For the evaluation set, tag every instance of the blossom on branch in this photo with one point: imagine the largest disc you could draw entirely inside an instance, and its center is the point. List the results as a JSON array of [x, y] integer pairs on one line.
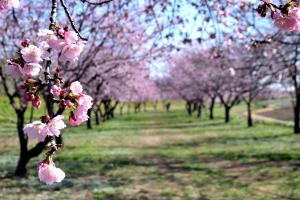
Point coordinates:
[[34, 131], [8, 4], [55, 90], [288, 22], [50, 174], [14, 70], [76, 88], [83, 104], [286, 16], [32, 54], [54, 126], [31, 69], [64, 41]]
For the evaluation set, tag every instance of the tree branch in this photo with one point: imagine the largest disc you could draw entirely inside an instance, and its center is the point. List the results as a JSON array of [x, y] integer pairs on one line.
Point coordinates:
[[71, 20], [101, 3]]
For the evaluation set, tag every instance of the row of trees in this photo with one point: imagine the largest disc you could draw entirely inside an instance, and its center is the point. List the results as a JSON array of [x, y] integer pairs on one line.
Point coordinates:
[[125, 37]]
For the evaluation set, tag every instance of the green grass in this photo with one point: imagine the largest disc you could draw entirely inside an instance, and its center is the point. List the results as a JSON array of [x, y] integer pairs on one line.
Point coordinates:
[[159, 155]]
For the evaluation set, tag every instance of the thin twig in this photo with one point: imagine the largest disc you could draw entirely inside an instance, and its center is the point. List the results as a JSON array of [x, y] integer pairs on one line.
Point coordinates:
[[71, 20], [48, 62], [96, 4]]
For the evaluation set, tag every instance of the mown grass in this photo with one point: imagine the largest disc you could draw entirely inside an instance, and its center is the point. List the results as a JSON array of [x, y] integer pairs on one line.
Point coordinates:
[[159, 155]]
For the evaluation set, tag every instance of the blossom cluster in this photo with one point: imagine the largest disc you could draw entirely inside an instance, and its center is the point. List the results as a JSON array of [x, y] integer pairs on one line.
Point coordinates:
[[66, 42], [50, 174], [46, 127], [74, 99], [7, 4], [288, 22], [27, 65], [27, 62], [285, 17], [71, 98]]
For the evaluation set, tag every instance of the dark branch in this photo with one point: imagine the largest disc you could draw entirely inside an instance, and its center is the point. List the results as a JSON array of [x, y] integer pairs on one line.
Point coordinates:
[[71, 20], [101, 3]]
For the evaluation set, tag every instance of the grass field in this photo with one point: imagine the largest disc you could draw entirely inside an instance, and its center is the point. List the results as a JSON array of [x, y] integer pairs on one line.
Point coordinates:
[[158, 155]]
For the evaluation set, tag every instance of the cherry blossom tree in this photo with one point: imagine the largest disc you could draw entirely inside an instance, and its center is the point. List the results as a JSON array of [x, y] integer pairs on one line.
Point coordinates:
[[33, 58]]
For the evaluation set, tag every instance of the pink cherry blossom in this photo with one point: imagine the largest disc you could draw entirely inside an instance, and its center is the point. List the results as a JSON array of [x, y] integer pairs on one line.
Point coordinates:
[[85, 102], [7, 4], [232, 71], [54, 126], [288, 22], [61, 31], [71, 37], [31, 69], [14, 70], [34, 130], [76, 88], [55, 90], [69, 103], [57, 44], [71, 52], [29, 96], [50, 174], [25, 42], [80, 114], [32, 54], [78, 117], [15, 3], [36, 102], [46, 34], [51, 39]]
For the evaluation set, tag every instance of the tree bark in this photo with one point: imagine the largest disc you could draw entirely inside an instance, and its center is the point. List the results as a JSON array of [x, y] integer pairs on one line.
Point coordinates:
[[23, 158], [128, 108], [189, 108], [227, 113], [97, 119], [199, 110], [249, 111], [89, 122], [211, 108], [296, 115]]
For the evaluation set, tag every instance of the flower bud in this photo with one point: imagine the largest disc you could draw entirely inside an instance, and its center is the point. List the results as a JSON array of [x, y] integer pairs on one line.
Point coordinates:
[[69, 103], [45, 119], [25, 43], [36, 102], [29, 96]]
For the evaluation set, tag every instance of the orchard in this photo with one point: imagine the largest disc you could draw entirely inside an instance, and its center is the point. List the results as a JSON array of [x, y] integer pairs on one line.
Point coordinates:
[[150, 99]]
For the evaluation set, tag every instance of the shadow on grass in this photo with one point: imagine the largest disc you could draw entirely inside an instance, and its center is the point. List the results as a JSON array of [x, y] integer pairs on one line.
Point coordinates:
[[226, 140]]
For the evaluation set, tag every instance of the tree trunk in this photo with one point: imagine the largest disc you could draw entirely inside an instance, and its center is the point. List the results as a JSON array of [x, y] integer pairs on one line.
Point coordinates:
[[97, 119], [23, 158], [135, 108], [227, 114], [249, 111], [199, 110], [168, 106], [189, 108], [121, 109], [89, 122], [211, 108], [128, 108], [296, 115]]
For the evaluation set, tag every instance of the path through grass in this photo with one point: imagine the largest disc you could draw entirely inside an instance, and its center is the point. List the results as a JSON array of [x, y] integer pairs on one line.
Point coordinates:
[[158, 155]]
